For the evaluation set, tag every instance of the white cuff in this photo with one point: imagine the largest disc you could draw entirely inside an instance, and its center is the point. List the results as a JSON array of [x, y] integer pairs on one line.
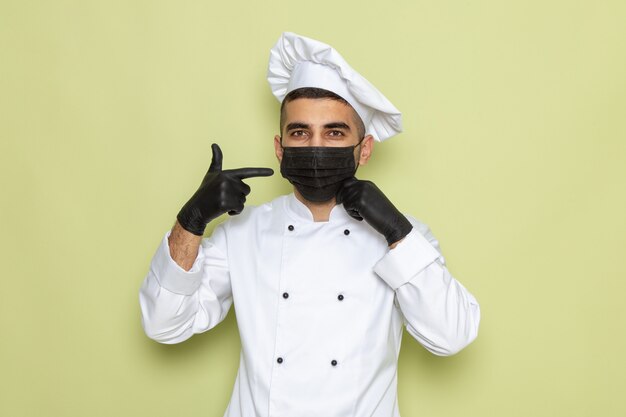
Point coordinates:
[[406, 260], [171, 276]]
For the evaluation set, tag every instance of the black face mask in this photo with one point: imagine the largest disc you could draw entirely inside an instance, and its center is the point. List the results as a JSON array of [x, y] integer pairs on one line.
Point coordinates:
[[318, 172]]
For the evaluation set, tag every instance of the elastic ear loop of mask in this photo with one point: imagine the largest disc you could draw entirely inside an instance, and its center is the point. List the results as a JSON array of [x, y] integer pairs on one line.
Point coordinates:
[[357, 163]]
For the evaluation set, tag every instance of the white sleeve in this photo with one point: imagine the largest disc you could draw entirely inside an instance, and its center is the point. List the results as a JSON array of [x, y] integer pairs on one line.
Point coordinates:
[[176, 304], [438, 311]]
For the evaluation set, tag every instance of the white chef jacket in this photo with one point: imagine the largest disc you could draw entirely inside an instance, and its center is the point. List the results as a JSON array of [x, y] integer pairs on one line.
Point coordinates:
[[320, 308]]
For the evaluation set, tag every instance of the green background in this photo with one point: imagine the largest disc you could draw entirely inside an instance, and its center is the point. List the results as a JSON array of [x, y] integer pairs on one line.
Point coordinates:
[[513, 152]]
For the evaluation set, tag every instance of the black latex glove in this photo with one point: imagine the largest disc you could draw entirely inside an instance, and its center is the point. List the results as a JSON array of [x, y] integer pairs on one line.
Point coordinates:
[[364, 200], [220, 192]]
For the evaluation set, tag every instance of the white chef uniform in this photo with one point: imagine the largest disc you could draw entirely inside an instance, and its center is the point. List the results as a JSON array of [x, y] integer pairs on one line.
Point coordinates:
[[320, 308]]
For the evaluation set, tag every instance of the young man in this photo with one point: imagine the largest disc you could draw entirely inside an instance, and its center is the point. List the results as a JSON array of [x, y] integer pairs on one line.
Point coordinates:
[[323, 279]]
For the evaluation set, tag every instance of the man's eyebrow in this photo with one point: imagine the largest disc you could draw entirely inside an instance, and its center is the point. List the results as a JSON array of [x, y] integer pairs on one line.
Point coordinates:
[[337, 125], [297, 125]]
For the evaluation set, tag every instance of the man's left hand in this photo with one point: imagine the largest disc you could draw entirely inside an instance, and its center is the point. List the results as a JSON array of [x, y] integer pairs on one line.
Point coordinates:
[[364, 200]]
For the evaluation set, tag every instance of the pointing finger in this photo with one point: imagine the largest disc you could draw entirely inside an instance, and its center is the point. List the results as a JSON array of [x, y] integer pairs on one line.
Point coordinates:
[[216, 160], [242, 173]]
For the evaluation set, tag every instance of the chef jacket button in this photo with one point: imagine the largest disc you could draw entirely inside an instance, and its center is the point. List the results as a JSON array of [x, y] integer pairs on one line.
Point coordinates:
[[285, 295], [346, 232], [279, 360], [333, 362], [290, 227], [340, 297]]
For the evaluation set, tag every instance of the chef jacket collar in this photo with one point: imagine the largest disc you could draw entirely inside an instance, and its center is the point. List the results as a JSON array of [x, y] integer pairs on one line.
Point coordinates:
[[298, 211]]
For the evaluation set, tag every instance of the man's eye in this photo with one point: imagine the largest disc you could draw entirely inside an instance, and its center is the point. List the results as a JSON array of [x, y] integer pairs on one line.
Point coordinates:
[[335, 133], [298, 133]]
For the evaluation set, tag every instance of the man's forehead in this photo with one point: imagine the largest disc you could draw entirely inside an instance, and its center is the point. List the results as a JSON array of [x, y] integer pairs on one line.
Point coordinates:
[[319, 109]]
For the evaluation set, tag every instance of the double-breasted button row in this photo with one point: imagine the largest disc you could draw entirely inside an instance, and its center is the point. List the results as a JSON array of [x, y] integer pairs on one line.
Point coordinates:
[[340, 297]]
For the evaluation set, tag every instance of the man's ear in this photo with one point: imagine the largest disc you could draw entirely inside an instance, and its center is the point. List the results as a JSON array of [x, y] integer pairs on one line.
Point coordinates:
[[367, 146], [278, 149]]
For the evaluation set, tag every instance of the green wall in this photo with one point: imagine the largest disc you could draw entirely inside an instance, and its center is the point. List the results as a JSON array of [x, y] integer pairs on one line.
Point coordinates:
[[513, 153]]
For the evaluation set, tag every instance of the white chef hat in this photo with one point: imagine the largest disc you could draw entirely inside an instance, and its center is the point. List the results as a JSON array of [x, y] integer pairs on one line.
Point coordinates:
[[296, 61]]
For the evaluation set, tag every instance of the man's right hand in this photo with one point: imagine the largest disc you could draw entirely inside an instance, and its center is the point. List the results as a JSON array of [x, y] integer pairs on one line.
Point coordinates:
[[221, 191]]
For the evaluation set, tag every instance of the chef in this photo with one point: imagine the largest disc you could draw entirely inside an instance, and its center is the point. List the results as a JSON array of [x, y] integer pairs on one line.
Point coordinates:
[[322, 280]]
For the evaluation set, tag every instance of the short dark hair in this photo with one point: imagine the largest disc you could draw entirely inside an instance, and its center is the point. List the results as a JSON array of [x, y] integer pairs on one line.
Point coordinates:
[[319, 94]]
